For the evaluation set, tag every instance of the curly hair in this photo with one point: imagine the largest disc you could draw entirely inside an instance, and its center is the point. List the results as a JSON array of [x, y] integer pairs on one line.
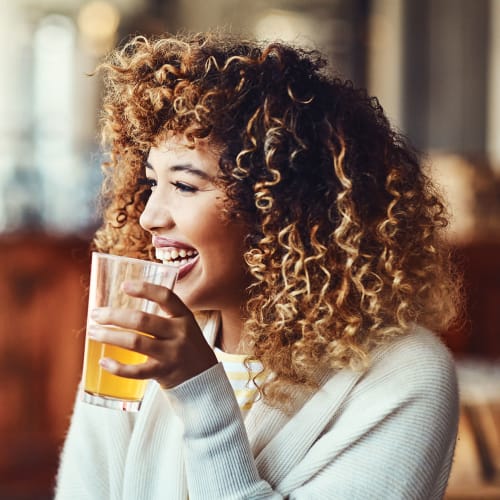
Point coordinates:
[[345, 247]]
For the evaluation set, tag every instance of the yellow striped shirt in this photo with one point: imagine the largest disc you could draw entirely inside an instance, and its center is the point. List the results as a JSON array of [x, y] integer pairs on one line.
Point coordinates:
[[243, 380]]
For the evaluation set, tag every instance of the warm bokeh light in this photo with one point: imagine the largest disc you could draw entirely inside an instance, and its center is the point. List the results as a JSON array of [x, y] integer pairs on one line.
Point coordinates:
[[98, 22], [285, 25]]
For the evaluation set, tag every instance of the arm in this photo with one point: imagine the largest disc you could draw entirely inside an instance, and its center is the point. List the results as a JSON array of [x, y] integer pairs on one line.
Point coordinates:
[[219, 461]]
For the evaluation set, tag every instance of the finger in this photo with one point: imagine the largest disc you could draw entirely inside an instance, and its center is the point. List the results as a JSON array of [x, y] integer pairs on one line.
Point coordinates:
[[131, 319], [162, 295], [133, 341], [139, 371], [150, 369]]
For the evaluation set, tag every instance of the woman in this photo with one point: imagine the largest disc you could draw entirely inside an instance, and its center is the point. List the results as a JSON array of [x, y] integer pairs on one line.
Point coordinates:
[[311, 265]]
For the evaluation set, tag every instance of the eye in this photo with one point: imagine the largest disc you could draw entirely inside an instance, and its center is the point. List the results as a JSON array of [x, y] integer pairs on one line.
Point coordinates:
[[148, 181], [184, 188]]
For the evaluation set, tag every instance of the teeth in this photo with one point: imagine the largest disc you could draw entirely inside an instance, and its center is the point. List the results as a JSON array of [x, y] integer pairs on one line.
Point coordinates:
[[171, 256], [174, 263]]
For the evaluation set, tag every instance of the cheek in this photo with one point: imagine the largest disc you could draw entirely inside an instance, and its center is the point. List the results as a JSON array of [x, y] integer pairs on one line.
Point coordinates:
[[204, 225], [223, 245]]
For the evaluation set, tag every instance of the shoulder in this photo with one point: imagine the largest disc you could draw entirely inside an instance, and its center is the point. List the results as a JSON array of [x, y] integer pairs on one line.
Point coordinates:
[[414, 367], [410, 388], [420, 351]]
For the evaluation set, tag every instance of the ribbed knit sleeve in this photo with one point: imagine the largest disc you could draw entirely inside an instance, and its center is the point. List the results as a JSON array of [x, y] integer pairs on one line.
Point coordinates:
[[94, 454], [219, 461]]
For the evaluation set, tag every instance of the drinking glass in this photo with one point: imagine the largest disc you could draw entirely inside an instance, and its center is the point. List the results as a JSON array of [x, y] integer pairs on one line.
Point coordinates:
[[108, 272]]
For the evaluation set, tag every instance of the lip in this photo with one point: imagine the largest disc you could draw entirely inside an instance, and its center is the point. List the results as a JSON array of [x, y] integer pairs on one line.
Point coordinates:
[[162, 242], [183, 270]]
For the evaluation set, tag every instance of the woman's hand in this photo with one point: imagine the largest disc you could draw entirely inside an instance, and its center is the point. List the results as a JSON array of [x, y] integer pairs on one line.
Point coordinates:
[[175, 346]]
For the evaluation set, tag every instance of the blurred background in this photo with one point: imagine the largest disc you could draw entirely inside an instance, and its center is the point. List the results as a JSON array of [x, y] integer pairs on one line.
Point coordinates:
[[433, 64]]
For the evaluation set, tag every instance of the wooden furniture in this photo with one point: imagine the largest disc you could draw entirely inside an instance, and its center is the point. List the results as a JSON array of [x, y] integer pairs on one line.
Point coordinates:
[[479, 333], [42, 316]]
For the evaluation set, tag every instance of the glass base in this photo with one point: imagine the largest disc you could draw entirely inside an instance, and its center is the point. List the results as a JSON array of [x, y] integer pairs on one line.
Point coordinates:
[[109, 402]]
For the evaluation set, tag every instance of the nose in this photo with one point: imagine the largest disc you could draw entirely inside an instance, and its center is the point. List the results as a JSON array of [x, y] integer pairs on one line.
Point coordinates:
[[156, 215]]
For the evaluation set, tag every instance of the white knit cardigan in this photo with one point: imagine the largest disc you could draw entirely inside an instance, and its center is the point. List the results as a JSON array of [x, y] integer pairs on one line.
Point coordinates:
[[386, 434]]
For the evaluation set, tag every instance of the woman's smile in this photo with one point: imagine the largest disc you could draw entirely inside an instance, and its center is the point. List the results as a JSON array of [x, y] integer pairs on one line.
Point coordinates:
[[175, 253]]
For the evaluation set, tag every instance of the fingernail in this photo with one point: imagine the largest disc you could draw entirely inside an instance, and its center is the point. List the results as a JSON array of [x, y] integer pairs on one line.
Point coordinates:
[[96, 314], [108, 364], [92, 332], [131, 287]]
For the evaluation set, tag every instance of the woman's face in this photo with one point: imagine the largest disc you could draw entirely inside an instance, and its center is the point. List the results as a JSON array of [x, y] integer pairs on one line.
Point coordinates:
[[184, 216]]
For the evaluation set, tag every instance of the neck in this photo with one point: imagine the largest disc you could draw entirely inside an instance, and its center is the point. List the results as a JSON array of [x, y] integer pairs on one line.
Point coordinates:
[[229, 335]]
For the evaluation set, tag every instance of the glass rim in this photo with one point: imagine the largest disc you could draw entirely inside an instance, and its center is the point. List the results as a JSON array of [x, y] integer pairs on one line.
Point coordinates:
[[133, 260], [111, 402]]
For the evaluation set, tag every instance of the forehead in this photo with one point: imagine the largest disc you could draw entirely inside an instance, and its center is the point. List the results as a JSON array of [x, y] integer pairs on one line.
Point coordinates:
[[175, 150]]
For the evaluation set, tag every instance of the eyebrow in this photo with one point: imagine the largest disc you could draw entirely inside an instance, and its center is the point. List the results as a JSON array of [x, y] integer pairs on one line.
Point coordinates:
[[186, 168]]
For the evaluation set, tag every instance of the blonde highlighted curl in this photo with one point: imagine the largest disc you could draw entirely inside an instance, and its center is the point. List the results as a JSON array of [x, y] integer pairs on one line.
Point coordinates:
[[345, 242]]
